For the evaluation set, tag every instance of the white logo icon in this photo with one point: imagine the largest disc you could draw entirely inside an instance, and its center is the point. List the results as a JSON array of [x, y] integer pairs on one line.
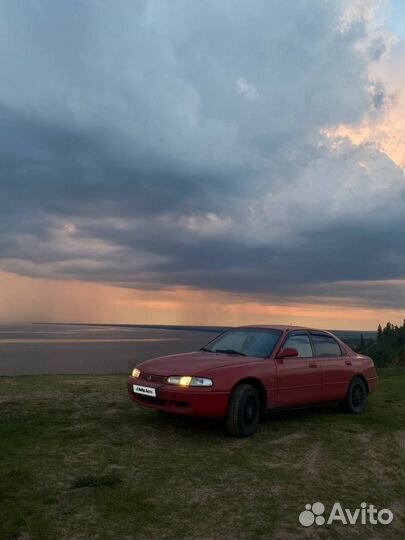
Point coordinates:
[[312, 513]]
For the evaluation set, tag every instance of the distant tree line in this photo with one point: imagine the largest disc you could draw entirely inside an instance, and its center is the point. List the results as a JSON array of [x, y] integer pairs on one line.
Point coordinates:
[[389, 347]]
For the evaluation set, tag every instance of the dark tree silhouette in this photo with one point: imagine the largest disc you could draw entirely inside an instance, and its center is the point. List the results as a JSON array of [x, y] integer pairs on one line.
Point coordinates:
[[389, 349], [379, 333]]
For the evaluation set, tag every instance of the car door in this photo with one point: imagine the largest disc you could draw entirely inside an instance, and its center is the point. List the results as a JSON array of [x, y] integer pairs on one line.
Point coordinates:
[[299, 379], [336, 366]]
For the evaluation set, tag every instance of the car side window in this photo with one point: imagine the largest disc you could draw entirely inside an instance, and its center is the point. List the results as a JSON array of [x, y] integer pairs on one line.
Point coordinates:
[[326, 345], [300, 342]]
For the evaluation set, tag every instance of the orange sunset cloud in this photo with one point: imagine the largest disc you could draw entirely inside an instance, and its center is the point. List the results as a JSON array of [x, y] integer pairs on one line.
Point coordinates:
[[43, 300]]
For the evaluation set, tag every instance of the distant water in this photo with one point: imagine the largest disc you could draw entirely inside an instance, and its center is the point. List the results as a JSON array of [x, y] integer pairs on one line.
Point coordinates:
[[47, 348], [37, 348]]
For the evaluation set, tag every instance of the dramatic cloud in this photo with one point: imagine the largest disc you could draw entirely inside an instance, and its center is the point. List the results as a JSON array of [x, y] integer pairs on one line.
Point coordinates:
[[202, 144]]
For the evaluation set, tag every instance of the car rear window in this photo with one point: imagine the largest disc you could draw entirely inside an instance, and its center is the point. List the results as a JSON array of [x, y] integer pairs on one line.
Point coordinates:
[[326, 345]]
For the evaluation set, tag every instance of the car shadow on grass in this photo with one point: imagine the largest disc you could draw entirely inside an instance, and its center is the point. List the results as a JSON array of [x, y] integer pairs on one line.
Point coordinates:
[[186, 426], [280, 420], [309, 413]]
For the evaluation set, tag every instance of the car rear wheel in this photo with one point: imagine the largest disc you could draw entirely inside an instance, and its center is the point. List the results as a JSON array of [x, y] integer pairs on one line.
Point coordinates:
[[356, 398], [244, 411]]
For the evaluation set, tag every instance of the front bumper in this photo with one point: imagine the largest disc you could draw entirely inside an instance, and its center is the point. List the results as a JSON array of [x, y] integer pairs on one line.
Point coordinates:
[[185, 401]]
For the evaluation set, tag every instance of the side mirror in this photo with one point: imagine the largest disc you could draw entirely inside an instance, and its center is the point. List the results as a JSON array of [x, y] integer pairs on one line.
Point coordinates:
[[287, 352]]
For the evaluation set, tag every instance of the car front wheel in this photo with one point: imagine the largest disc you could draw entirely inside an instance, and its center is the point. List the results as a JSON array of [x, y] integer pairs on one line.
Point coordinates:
[[244, 411], [356, 397]]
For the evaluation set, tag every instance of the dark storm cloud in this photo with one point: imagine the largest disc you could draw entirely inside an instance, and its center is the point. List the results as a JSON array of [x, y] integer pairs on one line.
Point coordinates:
[[151, 144]]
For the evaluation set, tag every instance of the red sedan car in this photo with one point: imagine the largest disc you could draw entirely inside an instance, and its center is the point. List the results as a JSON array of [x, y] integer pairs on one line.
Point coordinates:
[[246, 371]]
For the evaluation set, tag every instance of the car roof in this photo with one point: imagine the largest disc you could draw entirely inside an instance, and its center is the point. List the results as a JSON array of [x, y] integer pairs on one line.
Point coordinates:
[[284, 327]]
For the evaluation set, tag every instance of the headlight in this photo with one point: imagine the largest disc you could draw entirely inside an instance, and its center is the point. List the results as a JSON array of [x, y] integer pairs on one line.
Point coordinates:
[[136, 372], [186, 380]]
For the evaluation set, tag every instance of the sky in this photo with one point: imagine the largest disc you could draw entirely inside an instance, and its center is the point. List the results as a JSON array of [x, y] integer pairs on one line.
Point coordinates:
[[202, 162]]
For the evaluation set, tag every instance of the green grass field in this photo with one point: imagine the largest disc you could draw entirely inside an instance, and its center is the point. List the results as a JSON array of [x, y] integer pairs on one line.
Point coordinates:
[[78, 460]]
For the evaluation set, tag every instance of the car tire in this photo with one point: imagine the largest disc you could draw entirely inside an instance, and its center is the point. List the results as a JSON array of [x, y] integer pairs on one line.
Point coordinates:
[[243, 411], [356, 397]]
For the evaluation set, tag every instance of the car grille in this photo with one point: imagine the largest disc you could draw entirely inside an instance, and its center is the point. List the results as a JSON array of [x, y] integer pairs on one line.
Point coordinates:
[[152, 378]]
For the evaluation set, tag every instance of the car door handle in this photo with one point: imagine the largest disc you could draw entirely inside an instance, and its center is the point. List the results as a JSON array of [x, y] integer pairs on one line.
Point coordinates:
[[313, 364], [348, 362]]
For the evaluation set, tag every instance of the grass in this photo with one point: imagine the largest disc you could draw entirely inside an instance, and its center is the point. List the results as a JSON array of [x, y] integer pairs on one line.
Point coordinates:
[[78, 460]]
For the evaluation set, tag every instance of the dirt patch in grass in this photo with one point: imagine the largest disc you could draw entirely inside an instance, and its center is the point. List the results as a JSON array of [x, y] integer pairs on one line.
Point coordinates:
[[400, 439], [288, 438]]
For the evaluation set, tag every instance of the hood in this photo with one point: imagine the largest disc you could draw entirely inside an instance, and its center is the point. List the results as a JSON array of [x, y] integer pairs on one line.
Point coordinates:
[[194, 363]]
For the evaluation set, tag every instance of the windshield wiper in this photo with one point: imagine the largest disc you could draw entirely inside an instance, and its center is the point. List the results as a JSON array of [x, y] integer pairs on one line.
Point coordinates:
[[205, 349], [230, 351]]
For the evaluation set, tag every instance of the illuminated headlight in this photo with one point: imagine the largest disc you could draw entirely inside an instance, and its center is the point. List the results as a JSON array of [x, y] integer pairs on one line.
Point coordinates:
[[186, 380], [136, 372]]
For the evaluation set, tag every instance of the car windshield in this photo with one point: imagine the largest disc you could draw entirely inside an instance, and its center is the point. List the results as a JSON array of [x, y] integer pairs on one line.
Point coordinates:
[[245, 342]]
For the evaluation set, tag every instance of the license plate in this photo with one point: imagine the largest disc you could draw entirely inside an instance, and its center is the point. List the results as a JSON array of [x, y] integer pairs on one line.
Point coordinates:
[[144, 390]]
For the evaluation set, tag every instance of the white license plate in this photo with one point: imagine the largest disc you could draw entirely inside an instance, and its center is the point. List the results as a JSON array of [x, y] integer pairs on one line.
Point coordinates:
[[144, 390]]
